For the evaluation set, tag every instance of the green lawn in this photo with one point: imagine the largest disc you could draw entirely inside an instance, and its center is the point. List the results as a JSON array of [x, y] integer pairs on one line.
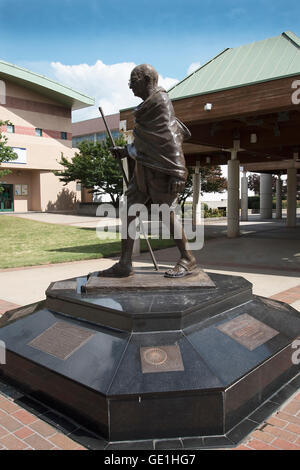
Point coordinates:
[[29, 243]]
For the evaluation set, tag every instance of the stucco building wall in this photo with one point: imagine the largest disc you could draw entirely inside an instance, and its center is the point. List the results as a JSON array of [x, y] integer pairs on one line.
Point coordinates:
[[28, 111]]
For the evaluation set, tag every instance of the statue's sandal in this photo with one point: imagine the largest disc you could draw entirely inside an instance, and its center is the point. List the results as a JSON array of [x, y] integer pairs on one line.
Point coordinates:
[[182, 268]]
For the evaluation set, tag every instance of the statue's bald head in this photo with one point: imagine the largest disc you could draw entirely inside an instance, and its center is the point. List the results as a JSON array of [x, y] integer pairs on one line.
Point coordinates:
[[147, 72]]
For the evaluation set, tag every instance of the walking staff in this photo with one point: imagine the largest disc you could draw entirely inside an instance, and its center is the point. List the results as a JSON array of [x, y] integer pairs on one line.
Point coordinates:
[[126, 183]]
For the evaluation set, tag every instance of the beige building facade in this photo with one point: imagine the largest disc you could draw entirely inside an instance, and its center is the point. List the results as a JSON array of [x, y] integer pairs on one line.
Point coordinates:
[[93, 130], [40, 130]]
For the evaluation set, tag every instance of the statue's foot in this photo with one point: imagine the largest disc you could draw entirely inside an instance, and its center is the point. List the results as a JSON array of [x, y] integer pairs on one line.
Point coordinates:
[[117, 270], [182, 268]]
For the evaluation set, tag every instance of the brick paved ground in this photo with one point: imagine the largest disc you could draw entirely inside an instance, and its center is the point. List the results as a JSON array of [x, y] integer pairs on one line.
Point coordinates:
[[288, 296], [21, 429], [5, 306], [279, 432]]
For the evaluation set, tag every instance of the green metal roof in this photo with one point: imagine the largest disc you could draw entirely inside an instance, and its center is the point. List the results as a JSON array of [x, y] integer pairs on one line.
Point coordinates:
[[45, 86], [260, 61]]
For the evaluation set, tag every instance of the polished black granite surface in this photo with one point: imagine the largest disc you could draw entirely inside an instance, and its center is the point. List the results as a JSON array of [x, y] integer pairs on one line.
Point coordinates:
[[92, 441], [94, 364], [225, 356], [96, 371], [156, 301], [149, 310]]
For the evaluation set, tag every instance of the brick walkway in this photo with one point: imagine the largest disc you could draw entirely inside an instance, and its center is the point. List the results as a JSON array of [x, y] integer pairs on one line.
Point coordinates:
[[279, 432], [5, 306], [288, 296], [21, 429]]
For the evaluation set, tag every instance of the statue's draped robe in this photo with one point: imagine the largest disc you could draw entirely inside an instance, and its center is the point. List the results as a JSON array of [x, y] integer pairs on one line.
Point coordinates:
[[158, 136]]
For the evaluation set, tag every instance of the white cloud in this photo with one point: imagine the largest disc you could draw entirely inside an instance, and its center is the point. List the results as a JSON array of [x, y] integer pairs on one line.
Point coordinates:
[[194, 66], [108, 84]]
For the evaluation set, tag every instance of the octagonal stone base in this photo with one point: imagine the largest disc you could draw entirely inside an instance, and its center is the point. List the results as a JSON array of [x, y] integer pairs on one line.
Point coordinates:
[[152, 363]]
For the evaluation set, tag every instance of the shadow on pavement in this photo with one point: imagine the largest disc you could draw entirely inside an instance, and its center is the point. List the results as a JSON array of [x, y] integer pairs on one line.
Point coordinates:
[[262, 247]]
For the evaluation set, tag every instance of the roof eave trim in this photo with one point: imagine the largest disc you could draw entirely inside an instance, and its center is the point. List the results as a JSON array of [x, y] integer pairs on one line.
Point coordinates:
[[292, 37], [235, 86], [37, 79]]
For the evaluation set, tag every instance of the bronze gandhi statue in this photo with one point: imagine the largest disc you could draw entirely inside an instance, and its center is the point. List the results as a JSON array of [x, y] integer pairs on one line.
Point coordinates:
[[160, 172]]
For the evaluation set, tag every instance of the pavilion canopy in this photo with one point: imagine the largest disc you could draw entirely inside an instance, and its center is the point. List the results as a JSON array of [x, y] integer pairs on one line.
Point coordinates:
[[257, 62], [250, 91]]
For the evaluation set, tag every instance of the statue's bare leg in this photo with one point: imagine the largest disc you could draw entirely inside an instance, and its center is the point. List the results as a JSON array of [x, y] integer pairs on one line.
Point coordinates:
[[187, 263], [124, 266]]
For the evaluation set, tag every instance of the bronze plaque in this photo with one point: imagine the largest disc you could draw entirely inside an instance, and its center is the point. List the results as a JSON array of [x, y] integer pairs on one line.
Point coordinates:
[[161, 359], [274, 304], [64, 285], [248, 331], [21, 312], [61, 340]]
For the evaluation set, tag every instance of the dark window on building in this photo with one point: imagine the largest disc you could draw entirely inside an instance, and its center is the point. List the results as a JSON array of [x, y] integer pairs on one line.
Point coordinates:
[[63, 135], [38, 132], [103, 135], [10, 128], [77, 139]]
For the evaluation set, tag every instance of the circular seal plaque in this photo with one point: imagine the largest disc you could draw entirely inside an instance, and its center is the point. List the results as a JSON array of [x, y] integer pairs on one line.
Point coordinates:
[[155, 356]]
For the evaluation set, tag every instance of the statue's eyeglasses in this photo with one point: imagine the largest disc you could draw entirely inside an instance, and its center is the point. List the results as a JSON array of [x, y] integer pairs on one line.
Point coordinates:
[[133, 80]]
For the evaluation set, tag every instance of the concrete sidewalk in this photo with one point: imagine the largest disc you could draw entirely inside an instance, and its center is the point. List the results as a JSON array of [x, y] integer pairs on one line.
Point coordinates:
[[269, 258], [72, 220], [268, 255]]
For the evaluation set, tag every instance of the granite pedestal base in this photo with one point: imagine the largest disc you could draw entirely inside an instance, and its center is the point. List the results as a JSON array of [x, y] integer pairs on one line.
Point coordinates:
[[152, 363]]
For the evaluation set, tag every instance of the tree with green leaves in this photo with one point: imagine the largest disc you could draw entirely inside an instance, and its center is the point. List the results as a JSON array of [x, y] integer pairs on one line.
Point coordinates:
[[6, 152], [212, 181], [95, 168]]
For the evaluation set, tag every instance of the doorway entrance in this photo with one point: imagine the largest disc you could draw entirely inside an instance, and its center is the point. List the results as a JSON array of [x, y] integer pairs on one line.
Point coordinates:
[[7, 198]]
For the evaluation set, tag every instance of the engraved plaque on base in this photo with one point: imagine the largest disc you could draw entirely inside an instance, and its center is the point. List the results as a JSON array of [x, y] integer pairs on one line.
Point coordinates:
[[248, 331], [161, 359], [274, 304], [65, 285], [15, 314], [61, 340]]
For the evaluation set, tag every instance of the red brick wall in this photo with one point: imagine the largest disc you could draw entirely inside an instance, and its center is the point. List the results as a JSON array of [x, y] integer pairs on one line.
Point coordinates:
[[24, 130], [31, 131], [38, 107]]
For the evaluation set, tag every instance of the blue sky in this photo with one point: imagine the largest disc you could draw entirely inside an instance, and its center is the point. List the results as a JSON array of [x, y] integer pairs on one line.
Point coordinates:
[[47, 36]]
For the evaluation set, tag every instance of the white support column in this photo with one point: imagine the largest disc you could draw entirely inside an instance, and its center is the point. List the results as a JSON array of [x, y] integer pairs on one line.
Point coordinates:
[[265, 196], [197, 196], [279, 198], [291, 197], [244, 196], [233, 220]]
